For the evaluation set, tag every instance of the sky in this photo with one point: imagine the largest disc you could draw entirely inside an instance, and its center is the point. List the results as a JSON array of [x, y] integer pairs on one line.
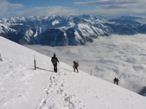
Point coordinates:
[[10, 8]]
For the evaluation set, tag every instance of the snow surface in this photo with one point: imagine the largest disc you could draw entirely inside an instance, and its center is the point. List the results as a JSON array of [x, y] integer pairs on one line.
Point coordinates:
[[22, 87], [55, 22], [108, 57]]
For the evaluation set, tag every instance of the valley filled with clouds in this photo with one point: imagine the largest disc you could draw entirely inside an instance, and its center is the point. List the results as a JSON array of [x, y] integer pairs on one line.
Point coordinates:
[[108, 57]]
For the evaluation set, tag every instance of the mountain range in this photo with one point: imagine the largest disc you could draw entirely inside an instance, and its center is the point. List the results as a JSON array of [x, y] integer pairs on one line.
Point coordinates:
[[67, 30]]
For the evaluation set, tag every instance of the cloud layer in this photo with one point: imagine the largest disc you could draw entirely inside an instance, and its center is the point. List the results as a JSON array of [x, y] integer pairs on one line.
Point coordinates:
[[101, 7], [107, 3], [136, 7], [6, 7], [49, 10]]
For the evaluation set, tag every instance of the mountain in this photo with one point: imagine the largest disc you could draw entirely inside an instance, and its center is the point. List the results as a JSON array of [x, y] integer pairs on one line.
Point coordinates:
[[62, 30], [22, 87]]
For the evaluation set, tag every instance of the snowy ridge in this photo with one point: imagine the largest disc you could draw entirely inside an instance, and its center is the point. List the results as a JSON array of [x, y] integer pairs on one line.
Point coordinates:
[[63, 30], [21, 87]]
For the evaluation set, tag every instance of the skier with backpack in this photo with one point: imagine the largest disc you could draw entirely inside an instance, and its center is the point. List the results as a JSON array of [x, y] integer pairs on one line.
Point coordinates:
[[1, 58], [116, 81], [54, 62], [75, 66]]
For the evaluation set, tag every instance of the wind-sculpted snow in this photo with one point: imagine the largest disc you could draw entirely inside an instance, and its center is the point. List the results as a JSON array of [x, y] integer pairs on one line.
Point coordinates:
[[22, 87], [63, 31]]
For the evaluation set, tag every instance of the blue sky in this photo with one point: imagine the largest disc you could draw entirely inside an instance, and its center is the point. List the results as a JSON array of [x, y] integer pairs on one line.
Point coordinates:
[[9, 8]]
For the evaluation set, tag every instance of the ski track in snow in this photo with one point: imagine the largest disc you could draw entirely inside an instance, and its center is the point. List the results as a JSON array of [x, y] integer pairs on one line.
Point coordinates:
[[56, 87]]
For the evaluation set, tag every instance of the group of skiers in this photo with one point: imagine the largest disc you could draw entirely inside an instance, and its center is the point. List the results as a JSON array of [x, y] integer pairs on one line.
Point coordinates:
[[55, 60]]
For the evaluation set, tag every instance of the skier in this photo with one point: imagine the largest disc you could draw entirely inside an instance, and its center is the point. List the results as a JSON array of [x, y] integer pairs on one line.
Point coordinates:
[[75, 66], [116, 81], [1, 58], [54, 62]]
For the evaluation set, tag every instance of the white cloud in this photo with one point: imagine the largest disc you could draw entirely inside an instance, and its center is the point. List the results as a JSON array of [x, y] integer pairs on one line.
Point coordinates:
[[106, 3], [45, 11], [6, 7], [104, 7], [116, 6]]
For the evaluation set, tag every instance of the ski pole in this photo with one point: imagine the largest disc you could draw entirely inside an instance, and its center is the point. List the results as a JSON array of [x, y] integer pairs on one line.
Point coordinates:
[[34, 63]]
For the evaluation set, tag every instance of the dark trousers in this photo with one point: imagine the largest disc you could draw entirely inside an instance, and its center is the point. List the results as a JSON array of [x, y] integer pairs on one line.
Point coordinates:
[[55, 67], [75, 68], [116, 82]]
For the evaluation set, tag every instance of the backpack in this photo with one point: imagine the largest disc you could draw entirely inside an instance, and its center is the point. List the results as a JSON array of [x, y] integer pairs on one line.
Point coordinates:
[[54, 60], [76, 64]]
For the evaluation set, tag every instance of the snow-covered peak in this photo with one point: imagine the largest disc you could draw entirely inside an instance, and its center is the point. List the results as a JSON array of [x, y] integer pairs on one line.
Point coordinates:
[[55, 22], [44, 28], [22, 87]]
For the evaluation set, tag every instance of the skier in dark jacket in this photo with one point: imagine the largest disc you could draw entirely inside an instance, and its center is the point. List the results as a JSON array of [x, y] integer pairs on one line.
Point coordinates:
[[75, 66], [116, 81], [54, 62], [1, 58]]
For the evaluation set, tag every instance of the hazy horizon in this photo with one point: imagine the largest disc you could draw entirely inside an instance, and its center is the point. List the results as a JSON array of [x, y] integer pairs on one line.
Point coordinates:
[[11, 8]]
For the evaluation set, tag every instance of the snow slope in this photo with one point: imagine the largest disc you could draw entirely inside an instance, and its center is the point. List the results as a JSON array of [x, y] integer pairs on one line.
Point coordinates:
[[109, 57], [22, 87]]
